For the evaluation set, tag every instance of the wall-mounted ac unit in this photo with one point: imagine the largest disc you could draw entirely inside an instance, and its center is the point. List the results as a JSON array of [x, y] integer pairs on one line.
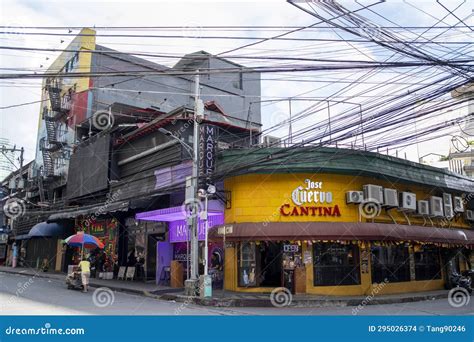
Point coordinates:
[[390, 198], [354, 196], [408, 201], [269, 141], [436, 206], [469, 215], [423, 208], [373, 193], [458, 204], [448, 205]]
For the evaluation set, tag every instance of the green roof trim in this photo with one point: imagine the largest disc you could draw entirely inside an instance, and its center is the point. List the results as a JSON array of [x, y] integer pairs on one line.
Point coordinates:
[[338, 161]]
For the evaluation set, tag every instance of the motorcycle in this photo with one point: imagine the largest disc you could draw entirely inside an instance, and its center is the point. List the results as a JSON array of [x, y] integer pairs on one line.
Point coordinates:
[[461, 280]]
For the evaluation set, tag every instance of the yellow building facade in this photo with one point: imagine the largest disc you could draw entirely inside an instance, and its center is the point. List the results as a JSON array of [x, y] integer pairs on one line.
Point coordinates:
[[298, 230]]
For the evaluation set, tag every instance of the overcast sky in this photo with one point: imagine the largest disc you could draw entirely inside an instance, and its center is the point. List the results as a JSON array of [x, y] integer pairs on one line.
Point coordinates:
[[20, 124]]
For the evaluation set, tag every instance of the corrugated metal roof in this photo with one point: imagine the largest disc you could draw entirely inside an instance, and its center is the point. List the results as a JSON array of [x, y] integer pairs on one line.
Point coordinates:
[[338, 161]]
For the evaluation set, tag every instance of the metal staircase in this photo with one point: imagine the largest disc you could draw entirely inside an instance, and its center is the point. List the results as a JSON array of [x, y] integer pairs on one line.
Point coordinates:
[[48, 165], [55, 98]]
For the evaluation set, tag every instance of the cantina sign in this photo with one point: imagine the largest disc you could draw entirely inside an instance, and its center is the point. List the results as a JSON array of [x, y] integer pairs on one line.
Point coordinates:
[[310, 200]]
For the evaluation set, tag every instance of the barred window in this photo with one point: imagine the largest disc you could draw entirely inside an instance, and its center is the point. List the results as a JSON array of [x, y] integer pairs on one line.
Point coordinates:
[[427, 265], [391, 263], [336, 264]]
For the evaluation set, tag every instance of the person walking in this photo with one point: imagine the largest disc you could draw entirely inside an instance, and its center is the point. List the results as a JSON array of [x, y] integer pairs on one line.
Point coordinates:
[[85, 267]]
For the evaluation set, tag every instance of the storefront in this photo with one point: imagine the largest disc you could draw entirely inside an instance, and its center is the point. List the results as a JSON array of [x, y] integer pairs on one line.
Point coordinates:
[[301, 230], [179, 241], [107, 231]]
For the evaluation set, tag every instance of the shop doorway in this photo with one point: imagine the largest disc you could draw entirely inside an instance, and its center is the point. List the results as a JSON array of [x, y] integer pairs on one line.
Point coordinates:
[[260, 264], [152, 241], [271, 264]]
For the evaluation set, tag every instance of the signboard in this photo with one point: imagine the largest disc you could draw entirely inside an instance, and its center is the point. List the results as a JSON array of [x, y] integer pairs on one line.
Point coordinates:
[[178, 230], [310, 199], [207, 151], [225, 230], [291, 248]]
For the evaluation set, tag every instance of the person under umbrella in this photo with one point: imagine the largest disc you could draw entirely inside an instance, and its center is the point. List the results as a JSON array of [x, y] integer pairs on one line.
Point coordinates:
[[84, 241]]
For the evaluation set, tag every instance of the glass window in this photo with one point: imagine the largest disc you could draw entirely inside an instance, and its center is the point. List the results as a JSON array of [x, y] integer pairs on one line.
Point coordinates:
[[247, 264], [427, 264], [336, 264], [391, 263], [260, 264]]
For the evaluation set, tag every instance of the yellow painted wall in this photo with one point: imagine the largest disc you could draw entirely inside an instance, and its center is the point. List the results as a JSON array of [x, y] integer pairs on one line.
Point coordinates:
[[82, 43], [258, 198], [364, 288]]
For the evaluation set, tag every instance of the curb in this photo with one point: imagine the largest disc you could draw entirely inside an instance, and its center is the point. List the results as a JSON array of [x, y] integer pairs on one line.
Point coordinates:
[[302, 303], [253, 302]]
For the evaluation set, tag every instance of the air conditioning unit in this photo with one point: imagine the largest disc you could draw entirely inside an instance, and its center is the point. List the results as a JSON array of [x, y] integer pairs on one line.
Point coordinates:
[[423, 208], [373, 193], [469, 215], [390, 198], [436, 206], [269, 141], [448, 205], [458, 204], [354, 196], [408, 201]]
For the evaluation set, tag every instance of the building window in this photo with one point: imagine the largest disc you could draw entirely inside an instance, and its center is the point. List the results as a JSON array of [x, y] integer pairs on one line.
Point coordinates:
[[391, 263], [336, 264], [427, 265], [260, 264]]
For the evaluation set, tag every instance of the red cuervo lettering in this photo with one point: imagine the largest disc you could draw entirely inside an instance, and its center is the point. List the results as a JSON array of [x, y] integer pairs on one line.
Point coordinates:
[[287, 210]]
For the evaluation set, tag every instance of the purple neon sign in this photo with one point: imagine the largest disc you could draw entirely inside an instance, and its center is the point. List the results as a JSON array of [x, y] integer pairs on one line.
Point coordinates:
[[179, 232]]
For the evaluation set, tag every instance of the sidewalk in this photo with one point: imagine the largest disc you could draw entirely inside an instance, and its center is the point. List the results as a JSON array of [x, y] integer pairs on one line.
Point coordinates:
[[237, 299], [135, 287]]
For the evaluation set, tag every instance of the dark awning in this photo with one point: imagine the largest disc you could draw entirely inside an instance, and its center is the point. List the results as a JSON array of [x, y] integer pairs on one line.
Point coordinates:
[[345, 231], [22, 237], [96, 210], [44, 229]]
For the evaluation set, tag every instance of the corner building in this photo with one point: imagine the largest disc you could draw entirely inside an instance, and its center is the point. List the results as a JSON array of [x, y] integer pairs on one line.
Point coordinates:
[[330, 221]]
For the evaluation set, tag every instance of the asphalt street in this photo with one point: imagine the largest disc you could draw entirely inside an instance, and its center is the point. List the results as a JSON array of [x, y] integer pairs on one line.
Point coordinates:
[[23, 295]]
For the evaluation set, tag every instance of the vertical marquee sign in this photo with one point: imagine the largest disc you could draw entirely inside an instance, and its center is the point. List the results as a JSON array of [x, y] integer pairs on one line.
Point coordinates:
[[207, 152]]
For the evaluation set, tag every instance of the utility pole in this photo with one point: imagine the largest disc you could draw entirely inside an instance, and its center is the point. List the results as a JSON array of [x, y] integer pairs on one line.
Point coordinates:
[[191, 283]]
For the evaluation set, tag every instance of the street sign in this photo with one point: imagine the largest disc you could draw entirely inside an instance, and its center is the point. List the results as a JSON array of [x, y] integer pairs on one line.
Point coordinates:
[[225, 230]]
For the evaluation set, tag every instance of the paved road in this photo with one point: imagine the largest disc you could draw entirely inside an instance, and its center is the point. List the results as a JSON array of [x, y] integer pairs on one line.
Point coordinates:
[[22, 295]]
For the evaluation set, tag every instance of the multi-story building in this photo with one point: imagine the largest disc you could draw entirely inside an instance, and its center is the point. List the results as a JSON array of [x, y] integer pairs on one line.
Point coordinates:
[[98, 146], [70, 102]]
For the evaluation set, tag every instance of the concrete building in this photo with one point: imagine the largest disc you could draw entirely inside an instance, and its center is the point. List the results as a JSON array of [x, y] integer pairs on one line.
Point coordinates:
[[72, 105]]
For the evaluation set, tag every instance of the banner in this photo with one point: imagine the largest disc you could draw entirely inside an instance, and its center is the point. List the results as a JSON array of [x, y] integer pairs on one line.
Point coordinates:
[[207, 152]]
